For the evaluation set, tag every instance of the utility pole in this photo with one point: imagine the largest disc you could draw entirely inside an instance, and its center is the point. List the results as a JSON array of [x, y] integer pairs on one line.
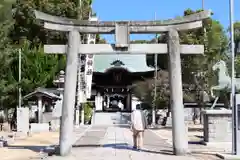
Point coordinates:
[[77, 112], [155, 84], [19, 78], [202, 4], [234, 110]]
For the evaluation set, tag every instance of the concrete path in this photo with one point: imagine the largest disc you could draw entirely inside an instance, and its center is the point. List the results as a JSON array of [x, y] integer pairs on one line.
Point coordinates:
[[197, 149], [116, 143], [25, 148]]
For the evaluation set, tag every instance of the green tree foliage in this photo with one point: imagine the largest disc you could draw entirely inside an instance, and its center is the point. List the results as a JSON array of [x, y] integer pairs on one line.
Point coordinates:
[[19, 29], [27, 27], [214, 39], [5, 10], [197, 71], [144, 90], [100, 40], [237, 49], [38, 70], [237, 32]]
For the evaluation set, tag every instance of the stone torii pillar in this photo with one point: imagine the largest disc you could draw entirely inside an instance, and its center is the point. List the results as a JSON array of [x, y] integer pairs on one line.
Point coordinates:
[[122, 29], [66, 128], [176, 94]]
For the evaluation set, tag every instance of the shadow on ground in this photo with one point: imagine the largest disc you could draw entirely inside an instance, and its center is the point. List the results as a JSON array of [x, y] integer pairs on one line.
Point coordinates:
[[126, 146], [86, 145], [196, 142], [190, 129], [38, 149]]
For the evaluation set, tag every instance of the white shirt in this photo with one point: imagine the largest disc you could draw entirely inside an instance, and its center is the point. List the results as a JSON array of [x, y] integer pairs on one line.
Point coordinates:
[[137, 120], [120, 105]]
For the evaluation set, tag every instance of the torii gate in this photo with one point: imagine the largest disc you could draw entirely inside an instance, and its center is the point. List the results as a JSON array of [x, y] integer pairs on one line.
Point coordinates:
[[122, 30]]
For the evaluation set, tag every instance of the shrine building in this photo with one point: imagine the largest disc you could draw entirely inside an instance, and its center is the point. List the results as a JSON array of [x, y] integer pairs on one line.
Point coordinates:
[[113, 79]]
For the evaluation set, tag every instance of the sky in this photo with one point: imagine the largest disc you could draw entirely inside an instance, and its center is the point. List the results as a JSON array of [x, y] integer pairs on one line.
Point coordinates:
[[165, 9]]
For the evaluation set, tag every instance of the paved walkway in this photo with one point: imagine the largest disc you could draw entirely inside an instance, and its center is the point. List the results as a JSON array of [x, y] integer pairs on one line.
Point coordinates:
[[105, 143], [195, 137], [30, 147]]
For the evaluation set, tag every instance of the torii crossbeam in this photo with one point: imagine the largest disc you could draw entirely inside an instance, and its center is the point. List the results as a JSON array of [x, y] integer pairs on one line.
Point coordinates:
[[122, 30]]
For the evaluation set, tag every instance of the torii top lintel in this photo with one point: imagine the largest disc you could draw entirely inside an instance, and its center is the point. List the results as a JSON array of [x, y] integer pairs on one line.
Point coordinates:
[[108, 27]]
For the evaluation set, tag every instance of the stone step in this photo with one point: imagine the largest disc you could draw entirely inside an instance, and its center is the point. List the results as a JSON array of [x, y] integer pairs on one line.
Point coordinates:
[[105, 118]]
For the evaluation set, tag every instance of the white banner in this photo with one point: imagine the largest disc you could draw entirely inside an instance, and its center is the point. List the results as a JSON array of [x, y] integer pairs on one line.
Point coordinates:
[[81, 82], [89, 67], [89, 74]]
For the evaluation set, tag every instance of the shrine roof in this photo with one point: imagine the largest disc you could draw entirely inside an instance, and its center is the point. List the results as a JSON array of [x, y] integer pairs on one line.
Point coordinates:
[[43, 92], [133, 63]]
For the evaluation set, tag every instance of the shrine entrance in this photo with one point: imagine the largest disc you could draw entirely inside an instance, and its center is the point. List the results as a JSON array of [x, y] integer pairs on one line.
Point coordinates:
[[115, 85], [122, 31]]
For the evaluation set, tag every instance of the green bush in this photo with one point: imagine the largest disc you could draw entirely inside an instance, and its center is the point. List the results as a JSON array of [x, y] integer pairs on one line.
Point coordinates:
[[88, 108]]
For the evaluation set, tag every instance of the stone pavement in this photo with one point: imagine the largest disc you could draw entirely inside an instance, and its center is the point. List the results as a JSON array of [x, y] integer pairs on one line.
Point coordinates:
[[31, 147], [115, 142], [195, 138]]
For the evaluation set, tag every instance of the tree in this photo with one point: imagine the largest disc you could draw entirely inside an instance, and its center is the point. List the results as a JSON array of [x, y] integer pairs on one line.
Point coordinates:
[[23, 31], [144, 90], [38, 70], [213, 36], [237, 47], [26, 26], [100, 40], [88, 110], [197, 71], [5, 10]]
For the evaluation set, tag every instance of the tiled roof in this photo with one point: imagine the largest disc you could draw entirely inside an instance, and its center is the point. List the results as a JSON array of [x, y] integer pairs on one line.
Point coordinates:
[[133, 63], [43, 92]]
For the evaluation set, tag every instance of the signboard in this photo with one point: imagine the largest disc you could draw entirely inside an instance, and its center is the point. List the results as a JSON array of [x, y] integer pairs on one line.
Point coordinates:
[[86, 71], [89, 74], [81, 81], [89, 65]]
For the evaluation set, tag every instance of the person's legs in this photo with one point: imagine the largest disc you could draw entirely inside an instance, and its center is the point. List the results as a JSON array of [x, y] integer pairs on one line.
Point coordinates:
[[140, 140], [134, 139]]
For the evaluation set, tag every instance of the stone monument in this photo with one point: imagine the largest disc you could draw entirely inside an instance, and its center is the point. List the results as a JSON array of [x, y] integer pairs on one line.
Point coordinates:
[[218, 123], [23, 121], [224, 80]]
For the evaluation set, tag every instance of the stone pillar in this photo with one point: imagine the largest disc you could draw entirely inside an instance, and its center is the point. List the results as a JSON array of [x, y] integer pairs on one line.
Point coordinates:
[[66, 129], [23, 121], [82, 114], [180, 142], [98, 102], [101, 101], [129, 102], [77, 114], [40, 109], [108, 101]]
